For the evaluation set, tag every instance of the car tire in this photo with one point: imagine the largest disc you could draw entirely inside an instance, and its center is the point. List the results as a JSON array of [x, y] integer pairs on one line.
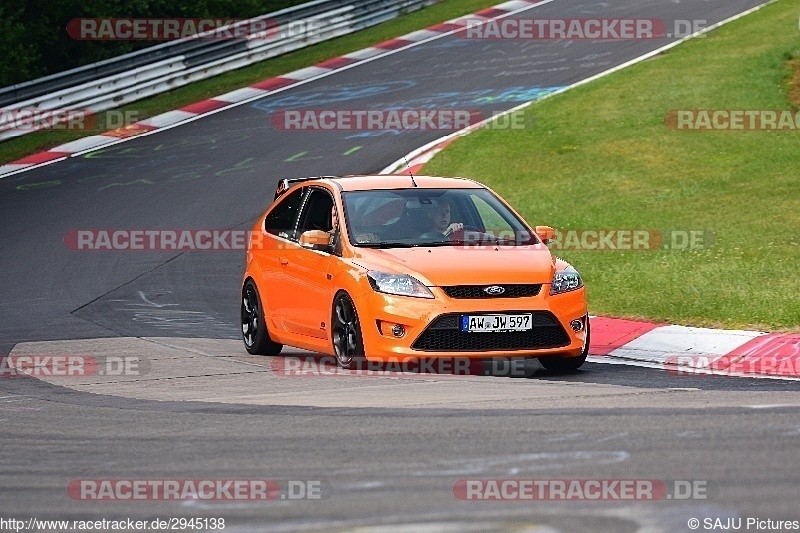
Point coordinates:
[[348, 344], [567, 364], [254, 326]]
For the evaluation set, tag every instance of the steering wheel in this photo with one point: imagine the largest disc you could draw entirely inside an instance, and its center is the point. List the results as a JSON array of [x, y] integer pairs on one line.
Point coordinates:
[[434, 236]]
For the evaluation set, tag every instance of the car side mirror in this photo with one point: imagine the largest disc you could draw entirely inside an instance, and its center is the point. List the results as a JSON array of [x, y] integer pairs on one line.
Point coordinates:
[[546, 234], [316, 240]]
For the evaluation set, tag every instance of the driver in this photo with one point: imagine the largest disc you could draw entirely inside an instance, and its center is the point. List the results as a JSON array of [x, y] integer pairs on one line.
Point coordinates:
[[438, 220], [334, 225]]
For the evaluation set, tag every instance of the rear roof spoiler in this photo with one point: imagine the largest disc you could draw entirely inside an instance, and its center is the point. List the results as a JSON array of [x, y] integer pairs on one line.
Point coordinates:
[[286, 184]]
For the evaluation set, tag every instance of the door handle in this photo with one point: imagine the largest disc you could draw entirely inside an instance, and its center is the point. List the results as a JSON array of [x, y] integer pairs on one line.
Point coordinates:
[[284, 261]]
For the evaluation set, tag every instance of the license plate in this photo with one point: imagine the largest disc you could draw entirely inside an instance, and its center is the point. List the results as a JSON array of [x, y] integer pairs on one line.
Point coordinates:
[[495, 323]]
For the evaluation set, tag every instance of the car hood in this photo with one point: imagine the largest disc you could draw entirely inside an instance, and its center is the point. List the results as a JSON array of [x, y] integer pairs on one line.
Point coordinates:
[[452, 265]]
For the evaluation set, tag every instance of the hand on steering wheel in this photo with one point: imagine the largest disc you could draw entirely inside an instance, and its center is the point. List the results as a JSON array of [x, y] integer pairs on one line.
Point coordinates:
[[452, 228], [459, 233]]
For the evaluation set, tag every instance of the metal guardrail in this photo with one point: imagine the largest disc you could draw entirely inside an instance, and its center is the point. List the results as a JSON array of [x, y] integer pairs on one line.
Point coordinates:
[[114, 82]]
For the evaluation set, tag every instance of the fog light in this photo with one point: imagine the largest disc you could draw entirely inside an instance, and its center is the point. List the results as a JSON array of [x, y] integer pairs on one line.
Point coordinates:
[[576, 325], [398, 330]]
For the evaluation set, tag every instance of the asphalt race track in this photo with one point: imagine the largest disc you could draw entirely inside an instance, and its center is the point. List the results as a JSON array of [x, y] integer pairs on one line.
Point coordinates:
[[386, 448]]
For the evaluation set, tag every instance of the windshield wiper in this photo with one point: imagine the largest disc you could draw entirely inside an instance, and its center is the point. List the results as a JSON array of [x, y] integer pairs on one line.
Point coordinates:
[[434, 243], [486, 242], [384, 244]]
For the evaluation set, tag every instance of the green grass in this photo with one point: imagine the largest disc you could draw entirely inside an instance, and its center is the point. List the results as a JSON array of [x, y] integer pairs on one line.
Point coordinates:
[[600, 156], [447, 9]]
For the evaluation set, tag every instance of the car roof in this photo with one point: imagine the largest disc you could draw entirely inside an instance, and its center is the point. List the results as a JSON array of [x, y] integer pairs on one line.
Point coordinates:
[[400, 181]]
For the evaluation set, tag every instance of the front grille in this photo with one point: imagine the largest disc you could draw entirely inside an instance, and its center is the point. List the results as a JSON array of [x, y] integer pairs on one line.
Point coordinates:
[[475, 292], [444, 335]]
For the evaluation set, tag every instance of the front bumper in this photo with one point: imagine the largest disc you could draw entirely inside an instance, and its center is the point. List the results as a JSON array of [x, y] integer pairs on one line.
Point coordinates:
[[431, 331]]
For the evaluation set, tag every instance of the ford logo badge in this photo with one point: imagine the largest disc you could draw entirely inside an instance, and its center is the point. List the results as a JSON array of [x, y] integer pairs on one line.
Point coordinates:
[[494, 290]]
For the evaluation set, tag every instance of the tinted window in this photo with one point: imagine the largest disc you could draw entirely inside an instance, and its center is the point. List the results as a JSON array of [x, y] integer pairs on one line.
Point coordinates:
[[282, 220], [317, 212]]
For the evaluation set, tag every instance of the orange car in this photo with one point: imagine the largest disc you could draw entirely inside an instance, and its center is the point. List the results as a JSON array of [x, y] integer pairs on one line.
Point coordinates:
[[394, 268]]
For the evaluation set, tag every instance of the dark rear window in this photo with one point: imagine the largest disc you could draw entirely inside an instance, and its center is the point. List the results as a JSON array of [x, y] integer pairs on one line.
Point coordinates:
[[282, 220]]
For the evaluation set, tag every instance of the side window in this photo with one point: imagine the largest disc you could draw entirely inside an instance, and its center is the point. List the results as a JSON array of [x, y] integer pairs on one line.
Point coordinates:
[[317, 212], [282, 220], [491, 220]]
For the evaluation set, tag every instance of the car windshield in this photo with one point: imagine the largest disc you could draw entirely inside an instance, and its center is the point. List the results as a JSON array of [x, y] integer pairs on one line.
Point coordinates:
[[431, 217]]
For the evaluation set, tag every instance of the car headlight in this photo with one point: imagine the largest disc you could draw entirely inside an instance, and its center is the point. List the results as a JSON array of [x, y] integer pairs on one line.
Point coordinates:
[[565, 281], [399, 284]]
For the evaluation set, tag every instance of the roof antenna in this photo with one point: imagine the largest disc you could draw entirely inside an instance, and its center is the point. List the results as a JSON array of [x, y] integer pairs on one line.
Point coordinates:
[[414, 183]]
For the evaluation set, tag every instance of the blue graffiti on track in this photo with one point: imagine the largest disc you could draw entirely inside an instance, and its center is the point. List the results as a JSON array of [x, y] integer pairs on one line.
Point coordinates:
[[328, 95]]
